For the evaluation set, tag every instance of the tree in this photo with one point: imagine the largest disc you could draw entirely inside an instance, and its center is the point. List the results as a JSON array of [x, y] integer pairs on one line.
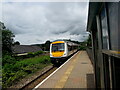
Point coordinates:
[[7, 40], [47, 45], [17, 43], [89, 42]]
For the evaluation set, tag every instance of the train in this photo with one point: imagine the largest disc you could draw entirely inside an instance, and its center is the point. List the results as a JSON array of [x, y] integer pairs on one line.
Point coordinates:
[[62, 49]]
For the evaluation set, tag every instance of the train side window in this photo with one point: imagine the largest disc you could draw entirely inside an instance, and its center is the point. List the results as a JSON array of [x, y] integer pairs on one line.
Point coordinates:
[[69, 47]]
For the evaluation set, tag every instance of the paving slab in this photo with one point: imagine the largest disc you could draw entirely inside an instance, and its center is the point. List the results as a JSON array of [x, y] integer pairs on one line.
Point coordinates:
[[77, 73]]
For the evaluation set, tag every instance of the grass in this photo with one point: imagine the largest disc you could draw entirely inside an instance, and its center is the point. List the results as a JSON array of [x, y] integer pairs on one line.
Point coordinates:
[[0, 78], [15, 72]]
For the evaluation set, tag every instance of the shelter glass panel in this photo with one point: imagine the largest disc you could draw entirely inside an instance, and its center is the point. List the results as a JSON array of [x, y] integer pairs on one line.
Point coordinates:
[[113, 25], [104, 26]]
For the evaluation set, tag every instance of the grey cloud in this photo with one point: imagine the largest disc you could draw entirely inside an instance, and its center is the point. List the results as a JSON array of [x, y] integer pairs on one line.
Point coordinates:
[[38, 22]]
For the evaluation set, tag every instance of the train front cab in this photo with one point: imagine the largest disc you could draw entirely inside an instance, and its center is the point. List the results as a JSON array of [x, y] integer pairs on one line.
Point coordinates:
[[58, 52]]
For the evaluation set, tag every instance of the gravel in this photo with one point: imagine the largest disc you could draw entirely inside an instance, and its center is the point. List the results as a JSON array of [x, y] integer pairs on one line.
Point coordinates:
[[29, 78]]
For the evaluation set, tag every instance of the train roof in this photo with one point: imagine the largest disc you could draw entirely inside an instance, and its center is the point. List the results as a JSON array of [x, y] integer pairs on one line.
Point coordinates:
[[72, 43], [68, 42]]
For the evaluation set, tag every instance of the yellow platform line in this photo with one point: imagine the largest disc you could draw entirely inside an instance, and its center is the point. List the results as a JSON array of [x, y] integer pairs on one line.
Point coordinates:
[[64, 78]]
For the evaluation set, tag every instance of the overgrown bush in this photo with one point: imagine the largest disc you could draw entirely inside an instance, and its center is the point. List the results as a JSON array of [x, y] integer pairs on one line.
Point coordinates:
[[32, 54], [82, 47], [14, 72], [38, 53], [7, 59]]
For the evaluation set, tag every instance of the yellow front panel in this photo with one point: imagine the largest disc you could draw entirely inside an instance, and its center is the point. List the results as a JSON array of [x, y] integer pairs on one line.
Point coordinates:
[[57, 42], [57, 54]]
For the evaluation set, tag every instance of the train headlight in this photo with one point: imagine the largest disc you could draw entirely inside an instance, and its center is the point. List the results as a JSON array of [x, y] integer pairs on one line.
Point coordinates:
[[64, 54]]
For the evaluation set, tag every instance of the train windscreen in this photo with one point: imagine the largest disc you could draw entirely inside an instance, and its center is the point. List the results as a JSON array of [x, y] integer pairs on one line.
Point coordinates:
[[58, 47]]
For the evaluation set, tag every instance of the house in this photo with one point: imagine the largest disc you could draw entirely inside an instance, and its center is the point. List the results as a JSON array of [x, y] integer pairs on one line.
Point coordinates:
[[24, 49]]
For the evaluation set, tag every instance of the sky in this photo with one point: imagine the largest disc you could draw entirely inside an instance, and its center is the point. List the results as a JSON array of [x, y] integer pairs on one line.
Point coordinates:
[[37, 22]]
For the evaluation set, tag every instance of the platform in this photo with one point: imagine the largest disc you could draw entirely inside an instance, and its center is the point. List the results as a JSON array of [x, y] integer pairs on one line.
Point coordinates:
[[76, 73]]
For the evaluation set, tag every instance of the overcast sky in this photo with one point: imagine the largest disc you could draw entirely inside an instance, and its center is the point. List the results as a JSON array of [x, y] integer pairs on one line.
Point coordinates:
[[36, 22]]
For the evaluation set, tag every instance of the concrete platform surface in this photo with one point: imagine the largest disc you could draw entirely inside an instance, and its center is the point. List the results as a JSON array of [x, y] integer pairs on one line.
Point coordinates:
[[77, 73]]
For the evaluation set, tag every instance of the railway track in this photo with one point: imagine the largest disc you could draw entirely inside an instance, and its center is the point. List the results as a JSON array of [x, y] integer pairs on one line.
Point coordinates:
[[39, 79]]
